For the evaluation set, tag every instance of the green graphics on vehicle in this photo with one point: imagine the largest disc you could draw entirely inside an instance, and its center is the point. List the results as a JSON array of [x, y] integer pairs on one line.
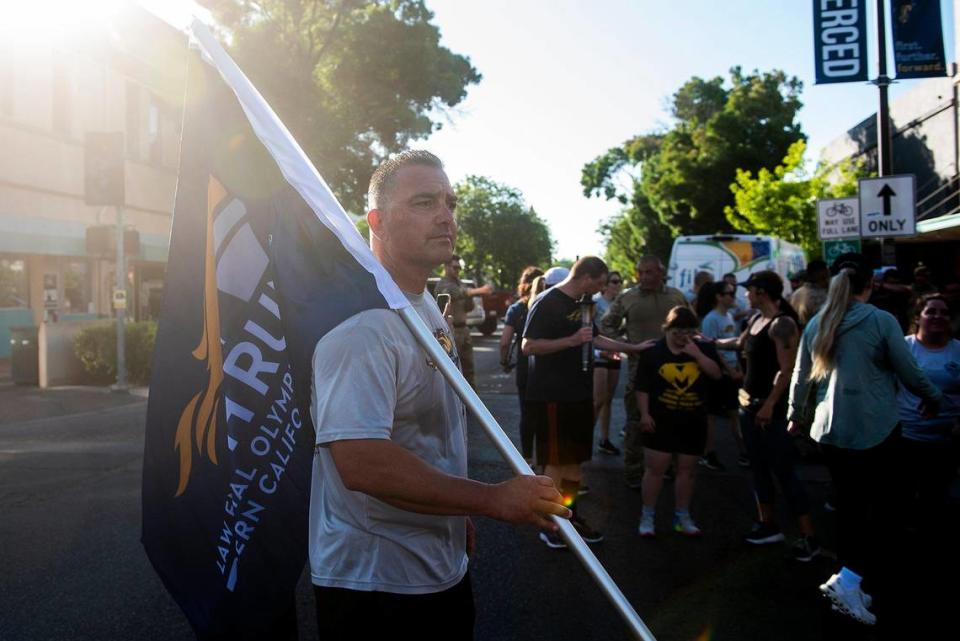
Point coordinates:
[[834, 248], [740, 255]]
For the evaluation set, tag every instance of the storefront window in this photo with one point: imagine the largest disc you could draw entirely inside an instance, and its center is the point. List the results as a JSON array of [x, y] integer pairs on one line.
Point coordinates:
[[76, 287], [14, 286]]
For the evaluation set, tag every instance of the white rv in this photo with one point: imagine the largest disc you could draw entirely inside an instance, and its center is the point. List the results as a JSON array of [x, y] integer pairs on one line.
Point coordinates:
[[738, 254]]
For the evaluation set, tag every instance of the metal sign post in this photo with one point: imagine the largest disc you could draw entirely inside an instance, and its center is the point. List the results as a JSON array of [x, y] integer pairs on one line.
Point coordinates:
[[121, 310]]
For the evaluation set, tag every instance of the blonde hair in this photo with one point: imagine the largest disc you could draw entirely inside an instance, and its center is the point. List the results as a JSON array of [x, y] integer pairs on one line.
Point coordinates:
[[537, 287], [824, 345]]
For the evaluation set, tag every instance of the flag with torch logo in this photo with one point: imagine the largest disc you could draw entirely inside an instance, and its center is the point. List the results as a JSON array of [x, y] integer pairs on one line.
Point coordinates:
[[263, 262]]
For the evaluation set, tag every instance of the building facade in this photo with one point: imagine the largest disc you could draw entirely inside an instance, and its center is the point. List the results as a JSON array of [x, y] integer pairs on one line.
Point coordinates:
[[128, 77], [925, 128]]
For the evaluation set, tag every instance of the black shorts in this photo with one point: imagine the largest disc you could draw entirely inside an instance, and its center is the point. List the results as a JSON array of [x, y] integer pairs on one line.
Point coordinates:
[[614, 365], [352, 614], [678, 436], [564, 431], [723, 396]]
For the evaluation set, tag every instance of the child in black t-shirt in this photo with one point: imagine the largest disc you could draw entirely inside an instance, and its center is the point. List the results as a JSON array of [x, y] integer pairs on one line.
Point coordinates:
[[673, 384]]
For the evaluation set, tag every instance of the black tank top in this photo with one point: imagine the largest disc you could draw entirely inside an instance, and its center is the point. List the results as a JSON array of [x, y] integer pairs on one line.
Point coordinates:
[[760, 353]]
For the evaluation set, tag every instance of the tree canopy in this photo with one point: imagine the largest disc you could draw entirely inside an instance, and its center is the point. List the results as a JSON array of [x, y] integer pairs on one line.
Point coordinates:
[[353, 81], [678, 179], [499, 235], [783, 202]]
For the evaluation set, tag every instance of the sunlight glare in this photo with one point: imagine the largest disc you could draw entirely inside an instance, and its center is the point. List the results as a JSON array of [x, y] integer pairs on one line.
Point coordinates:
[[48, 21]]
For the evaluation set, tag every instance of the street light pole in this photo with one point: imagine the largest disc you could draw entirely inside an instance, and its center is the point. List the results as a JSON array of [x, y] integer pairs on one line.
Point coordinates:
[[884, 140]]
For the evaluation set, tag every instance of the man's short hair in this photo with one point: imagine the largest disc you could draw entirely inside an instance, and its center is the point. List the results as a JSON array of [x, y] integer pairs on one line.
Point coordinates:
[[590, 266], [382, 178], [817, 267], [650, 259]]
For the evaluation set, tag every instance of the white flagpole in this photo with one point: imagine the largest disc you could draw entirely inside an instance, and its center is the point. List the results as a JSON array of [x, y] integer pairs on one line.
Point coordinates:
[[303, 176], [507, 449]]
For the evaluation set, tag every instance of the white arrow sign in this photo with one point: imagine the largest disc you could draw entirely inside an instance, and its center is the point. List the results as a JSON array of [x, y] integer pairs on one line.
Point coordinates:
[[888, 206]]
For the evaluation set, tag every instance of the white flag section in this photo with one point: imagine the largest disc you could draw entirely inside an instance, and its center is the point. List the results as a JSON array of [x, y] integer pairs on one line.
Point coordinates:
[[304, 178], [294, 163]]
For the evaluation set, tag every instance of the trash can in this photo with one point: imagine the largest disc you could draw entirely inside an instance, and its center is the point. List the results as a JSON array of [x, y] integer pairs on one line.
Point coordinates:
[[24, 355]]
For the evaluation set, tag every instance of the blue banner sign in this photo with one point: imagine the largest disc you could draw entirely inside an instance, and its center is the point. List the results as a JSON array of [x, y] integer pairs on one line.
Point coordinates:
[[840, 40], [918, 39]]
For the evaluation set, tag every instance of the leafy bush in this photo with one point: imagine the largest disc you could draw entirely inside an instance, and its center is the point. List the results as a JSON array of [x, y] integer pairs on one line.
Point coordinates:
[[96, 347]]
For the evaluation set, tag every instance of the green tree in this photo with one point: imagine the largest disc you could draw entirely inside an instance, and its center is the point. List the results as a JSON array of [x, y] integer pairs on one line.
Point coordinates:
[[499, 234], [678, 180], [783, 202], [353, 81], [637, 229]]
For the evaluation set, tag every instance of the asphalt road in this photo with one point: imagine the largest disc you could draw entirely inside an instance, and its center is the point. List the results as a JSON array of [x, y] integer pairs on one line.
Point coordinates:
[[72, 567]]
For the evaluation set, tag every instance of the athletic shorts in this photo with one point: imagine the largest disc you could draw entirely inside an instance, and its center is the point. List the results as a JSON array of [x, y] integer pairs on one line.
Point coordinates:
[[677, 436], [605, 364], [564, 431], [353, 614], [723, 397]]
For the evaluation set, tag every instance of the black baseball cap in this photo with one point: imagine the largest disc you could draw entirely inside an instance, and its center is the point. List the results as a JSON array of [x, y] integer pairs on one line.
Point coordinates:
[[766, 280]]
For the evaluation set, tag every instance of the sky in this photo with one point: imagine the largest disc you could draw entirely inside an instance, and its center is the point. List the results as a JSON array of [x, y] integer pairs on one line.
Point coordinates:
[[565, 80]]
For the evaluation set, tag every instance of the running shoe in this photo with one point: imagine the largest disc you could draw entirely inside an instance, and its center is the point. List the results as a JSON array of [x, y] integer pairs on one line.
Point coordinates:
[[683, 524], [586, 532], [647, 529], [553, 540], [848, 601], [607, 447], [763, 534], [711, 462]]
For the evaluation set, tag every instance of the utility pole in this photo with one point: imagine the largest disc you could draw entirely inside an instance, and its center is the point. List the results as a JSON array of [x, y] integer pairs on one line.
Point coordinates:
[[103, 169], [120, 304]]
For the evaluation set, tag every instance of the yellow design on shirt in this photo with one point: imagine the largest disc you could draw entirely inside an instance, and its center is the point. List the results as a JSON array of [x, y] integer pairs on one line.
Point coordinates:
[[681, 377]]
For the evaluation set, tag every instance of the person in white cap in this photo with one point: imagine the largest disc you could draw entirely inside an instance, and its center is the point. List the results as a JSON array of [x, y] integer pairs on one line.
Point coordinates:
[[555, 275]]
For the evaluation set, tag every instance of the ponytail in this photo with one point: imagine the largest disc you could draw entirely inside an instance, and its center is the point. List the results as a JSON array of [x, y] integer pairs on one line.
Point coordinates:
[[824, 343]]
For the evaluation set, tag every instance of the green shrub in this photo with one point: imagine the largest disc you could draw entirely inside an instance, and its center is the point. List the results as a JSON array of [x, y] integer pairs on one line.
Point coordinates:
[[96, 347]]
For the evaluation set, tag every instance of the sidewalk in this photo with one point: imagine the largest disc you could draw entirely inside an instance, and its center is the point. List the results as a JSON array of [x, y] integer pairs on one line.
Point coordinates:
[[22, 403]]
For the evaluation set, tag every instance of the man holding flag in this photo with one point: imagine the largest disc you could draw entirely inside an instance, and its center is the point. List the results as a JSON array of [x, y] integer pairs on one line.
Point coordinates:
[[389, 533], [295, 367]]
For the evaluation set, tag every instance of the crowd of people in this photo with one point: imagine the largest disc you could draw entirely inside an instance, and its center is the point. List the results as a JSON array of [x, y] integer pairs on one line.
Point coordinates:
[[390, 532], [876, 388]]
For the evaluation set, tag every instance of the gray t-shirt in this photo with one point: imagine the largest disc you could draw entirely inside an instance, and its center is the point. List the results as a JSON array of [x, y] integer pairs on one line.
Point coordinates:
[[373, 381], [716, 325]]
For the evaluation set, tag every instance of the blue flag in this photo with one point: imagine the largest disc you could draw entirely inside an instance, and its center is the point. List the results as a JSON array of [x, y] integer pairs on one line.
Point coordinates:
[[263, 262], [918, 39]]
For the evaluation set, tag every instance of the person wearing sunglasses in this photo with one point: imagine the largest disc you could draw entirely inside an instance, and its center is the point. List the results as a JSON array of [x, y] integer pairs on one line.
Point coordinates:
[[715, 305]]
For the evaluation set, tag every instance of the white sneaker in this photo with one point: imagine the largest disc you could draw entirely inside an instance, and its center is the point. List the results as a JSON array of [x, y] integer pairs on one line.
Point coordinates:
[[647, 529], [685, 525], [851, 602]]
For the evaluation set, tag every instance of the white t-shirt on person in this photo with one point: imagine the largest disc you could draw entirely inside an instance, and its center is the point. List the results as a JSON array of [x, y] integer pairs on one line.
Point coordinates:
[[371, 380]]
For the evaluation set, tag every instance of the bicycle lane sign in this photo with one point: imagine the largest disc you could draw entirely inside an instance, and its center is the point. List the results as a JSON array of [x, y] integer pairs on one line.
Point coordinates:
[[838, 218]]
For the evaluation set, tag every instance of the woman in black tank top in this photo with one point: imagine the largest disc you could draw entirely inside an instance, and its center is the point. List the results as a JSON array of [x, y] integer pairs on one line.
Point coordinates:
[[769, 347]]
